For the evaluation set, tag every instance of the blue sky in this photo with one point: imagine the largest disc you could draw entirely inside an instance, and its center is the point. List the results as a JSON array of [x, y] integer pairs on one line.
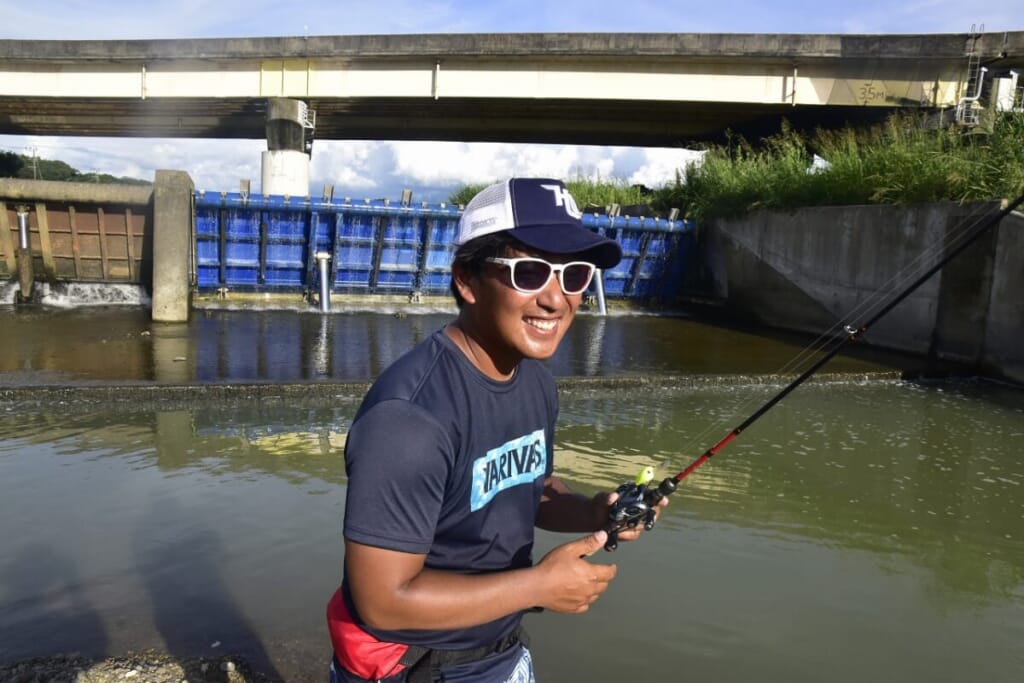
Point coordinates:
[[382, 168]]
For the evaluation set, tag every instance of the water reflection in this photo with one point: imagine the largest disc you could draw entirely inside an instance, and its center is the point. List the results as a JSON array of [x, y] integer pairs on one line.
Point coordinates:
[[220, 522], [123, 345]]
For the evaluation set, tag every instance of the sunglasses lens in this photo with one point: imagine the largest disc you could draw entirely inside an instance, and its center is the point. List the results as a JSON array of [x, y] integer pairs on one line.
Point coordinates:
[[576, 277], [531, 275]]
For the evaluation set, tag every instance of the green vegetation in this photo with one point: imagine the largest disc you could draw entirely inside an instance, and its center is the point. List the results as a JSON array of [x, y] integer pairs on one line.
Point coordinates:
[[21, 166], [462, 196], [896, 163], [899, 162]]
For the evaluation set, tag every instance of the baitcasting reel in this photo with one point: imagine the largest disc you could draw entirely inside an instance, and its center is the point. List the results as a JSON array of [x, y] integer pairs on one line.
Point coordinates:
[[636, 505]]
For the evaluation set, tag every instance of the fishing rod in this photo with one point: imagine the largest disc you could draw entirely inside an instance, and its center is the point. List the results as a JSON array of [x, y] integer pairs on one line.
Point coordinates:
[[637, 499]]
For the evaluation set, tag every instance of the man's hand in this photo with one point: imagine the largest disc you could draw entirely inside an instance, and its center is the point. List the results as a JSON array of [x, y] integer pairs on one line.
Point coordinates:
[[571, 582], [603, 502]]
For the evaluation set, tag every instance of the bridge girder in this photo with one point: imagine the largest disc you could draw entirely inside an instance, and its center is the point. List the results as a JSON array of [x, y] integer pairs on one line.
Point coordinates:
[[608, 89]]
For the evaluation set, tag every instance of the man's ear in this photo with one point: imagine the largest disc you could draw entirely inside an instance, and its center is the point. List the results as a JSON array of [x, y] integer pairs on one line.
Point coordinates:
[[465, 282]]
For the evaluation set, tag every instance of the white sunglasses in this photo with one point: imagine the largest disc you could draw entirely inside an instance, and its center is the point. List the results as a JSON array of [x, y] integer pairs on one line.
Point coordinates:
[[530, 274]]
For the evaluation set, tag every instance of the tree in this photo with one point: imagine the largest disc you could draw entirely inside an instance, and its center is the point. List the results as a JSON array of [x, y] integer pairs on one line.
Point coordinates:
[[10, 164]]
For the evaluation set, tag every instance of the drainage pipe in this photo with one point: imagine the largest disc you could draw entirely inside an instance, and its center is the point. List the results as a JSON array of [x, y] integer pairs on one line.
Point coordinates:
[[322, 259], [25, 275]]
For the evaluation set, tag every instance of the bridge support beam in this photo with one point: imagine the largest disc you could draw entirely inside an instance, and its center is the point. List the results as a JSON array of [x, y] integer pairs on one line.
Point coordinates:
[[172, 245], [285, 164]]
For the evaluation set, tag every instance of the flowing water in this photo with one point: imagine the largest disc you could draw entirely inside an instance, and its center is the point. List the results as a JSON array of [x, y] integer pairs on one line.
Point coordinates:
[[861, 530]]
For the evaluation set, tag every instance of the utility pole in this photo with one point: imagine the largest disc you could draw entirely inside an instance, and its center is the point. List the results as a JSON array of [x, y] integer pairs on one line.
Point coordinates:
[[35, 163]]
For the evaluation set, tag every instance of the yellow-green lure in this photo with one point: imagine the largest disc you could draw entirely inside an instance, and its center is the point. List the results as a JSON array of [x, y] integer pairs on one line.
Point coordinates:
[[645, 476]]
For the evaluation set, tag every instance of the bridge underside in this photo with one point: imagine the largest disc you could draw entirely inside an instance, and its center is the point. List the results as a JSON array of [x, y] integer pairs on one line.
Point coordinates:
[[604, 122], [602, 89]]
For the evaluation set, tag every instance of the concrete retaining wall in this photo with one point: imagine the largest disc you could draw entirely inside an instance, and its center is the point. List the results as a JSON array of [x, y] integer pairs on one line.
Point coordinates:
[[1004, 327], [821, 268]]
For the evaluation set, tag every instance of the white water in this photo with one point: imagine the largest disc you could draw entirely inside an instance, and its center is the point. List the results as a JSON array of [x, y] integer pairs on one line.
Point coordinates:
[[7, 292], [78, 294]]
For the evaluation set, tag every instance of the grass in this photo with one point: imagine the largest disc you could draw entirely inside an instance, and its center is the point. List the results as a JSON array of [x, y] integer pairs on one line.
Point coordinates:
[[587, 192], [899, 162]]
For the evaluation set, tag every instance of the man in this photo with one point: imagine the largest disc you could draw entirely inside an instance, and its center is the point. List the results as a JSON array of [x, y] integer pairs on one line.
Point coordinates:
[[449, 462]]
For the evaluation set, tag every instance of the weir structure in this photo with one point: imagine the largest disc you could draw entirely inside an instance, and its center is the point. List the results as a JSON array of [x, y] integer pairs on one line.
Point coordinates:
[[196, 248]]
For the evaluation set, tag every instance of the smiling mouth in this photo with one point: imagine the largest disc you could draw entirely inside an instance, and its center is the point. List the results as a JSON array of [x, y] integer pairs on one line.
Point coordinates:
[[543, 325]]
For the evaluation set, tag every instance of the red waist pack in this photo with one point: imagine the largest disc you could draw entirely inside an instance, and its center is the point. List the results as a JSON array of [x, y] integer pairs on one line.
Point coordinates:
[[358, 651]]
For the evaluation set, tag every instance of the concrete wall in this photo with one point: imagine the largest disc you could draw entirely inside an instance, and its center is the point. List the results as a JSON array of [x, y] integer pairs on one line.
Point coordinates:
[[818, 269], [1005, 322]]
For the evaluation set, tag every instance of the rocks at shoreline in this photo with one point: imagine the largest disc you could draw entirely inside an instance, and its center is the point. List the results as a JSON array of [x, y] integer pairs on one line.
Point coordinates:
[[141, 667]]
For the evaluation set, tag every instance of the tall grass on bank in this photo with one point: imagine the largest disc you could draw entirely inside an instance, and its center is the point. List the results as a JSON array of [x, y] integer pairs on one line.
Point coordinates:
[[897, 162]]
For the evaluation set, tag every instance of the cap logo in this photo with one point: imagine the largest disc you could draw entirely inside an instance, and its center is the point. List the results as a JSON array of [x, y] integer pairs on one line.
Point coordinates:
[[484, 223], [564, 200]]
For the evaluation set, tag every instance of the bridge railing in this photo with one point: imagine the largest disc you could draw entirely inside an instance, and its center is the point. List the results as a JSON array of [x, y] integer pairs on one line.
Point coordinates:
[[250, 243]]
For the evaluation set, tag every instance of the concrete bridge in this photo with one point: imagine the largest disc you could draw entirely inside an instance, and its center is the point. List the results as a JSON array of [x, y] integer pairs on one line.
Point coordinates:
[[628, 89]]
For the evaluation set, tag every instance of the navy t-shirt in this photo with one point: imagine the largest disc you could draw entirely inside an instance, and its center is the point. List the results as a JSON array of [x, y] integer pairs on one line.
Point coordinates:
[[446, 462]]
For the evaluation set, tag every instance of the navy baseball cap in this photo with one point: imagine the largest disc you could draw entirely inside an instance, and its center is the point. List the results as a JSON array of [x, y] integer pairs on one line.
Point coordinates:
[[540, 213]]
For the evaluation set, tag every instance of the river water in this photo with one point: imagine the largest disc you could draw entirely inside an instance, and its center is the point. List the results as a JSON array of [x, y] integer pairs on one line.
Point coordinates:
[[866, 528]]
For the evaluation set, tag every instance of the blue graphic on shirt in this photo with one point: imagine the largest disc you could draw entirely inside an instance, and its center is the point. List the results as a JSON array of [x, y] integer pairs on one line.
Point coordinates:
[[519, 461]]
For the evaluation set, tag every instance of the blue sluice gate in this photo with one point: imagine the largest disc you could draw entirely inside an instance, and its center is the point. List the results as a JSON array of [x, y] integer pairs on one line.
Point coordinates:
[[269, 244]]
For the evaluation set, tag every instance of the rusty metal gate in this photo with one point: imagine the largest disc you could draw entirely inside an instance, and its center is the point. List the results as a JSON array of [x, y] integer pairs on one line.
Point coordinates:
[[78, 231]]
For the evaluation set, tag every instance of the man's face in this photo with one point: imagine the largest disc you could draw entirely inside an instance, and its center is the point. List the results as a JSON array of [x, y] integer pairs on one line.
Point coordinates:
[[512, 325]]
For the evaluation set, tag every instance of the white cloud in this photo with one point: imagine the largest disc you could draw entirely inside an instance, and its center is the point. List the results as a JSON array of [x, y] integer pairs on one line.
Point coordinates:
[[660, 166]]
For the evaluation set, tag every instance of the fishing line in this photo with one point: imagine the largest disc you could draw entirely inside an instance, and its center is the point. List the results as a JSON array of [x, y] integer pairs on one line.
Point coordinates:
[[837, 334], [637, 501]]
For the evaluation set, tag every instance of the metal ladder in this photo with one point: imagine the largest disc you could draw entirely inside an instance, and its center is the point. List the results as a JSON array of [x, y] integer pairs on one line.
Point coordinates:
[[967, 111]]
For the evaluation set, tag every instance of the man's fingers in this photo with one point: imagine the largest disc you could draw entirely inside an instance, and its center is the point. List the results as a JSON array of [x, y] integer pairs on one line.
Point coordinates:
[[593, 542]]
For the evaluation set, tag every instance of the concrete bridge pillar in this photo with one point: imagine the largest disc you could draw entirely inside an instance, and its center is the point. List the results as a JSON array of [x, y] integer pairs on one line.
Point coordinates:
[[289, 145], [173, 217]]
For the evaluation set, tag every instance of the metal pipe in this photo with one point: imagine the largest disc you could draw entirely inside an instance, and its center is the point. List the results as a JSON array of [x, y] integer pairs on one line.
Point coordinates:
[[23, 242], [322, 259], [26, 276], [599, 282]]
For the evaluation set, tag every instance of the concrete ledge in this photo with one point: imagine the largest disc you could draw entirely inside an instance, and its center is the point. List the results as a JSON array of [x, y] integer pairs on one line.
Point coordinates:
[[150, 396], [56, 191]]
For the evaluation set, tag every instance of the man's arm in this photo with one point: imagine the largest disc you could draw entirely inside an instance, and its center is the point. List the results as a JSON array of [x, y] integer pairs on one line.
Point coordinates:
[[394, 590], [562, 509]]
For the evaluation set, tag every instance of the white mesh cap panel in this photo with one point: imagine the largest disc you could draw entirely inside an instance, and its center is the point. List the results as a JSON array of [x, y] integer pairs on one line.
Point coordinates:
[[489, 211]]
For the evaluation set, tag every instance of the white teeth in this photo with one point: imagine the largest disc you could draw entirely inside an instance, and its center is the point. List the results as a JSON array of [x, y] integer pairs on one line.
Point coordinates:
[[546, 325]]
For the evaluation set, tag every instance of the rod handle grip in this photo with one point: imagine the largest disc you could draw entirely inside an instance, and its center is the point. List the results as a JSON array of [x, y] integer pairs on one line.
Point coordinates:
[[666, 488]]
